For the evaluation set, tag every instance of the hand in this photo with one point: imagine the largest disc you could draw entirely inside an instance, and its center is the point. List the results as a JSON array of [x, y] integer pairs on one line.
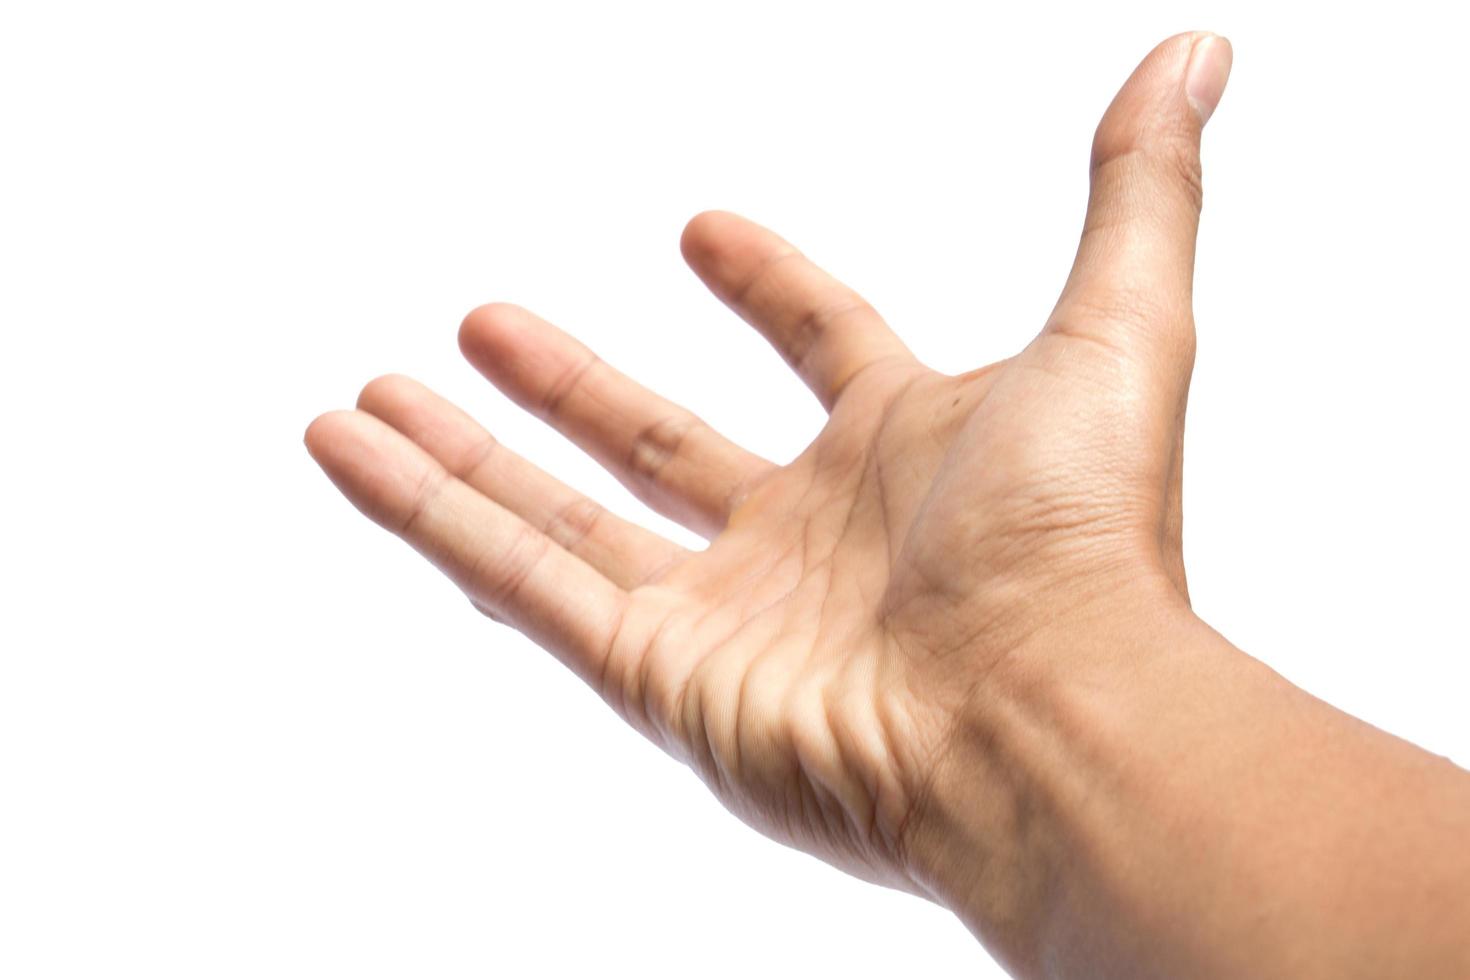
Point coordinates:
[[812, 663]]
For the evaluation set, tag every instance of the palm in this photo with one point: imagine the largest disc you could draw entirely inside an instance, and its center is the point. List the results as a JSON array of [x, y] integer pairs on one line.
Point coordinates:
[[768, 661], [809, 662]]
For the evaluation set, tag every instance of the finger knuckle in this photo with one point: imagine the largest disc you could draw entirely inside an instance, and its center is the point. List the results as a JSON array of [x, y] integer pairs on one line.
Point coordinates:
[[565, 387], [574, 522], [1182, 164], [656, 444], [502, 573]]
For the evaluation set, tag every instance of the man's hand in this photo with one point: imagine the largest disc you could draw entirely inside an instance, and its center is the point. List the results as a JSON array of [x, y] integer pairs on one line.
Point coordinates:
[[811, 662], [949, 647]]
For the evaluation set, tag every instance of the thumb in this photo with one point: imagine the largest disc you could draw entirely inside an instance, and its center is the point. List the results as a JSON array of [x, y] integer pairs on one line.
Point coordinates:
[[1130, 286]]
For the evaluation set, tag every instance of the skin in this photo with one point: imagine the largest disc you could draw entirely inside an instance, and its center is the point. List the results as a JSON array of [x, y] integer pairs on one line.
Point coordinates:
[[949, 648]]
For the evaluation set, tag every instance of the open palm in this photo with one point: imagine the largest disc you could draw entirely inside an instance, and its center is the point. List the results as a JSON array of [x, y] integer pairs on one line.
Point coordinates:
[[809, 663]]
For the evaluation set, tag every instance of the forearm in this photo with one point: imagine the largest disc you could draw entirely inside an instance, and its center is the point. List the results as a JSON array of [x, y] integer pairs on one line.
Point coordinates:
[[1153, 802]]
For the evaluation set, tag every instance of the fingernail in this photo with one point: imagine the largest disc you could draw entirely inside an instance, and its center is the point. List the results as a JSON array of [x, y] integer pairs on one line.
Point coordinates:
[[1204, 79]]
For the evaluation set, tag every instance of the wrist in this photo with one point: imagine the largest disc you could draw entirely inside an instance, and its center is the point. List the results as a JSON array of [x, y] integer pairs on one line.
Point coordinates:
[[1123, 799], [1034, 760]]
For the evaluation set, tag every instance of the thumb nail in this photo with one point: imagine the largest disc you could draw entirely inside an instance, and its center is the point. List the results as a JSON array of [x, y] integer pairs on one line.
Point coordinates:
[[1204, 79]]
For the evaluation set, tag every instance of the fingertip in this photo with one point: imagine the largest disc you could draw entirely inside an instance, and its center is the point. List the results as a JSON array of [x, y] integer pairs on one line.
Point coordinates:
[[486, 329], [387, 389], [1210, 59], [1200, 60], [322, 431], [339, 443], [697, 228], [705, 233], [1160, 110], [376, 467]]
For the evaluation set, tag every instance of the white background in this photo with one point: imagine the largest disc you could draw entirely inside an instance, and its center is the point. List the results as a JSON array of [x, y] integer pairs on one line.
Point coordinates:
[[245, 733]]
